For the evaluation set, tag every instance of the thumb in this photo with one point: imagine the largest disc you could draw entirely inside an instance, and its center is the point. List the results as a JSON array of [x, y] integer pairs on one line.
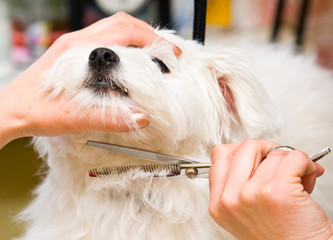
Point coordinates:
[[117, 121], [112, 120]]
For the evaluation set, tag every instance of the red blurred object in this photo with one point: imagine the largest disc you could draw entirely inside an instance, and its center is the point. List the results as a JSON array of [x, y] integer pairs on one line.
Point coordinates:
[[35, 25]]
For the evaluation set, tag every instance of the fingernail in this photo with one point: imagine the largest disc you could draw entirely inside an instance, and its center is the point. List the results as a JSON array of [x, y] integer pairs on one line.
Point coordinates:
[[141, 119], [177, 50]]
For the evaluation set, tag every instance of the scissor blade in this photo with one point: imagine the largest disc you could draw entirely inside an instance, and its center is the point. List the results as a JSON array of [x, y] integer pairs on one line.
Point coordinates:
[[138, 153]]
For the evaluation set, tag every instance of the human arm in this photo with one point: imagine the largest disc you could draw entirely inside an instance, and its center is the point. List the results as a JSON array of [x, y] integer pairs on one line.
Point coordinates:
[[27, 111], [260, 199]]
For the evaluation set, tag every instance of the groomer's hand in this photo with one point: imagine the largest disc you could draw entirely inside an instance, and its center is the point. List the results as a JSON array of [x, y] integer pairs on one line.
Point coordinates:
[[256, 199], [25, 111]]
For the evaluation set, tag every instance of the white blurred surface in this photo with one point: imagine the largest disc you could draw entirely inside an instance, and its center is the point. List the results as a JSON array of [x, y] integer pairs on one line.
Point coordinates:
[[6, 69]]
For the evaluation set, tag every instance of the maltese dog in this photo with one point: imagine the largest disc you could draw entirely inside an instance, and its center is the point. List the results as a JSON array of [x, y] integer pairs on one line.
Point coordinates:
[[196, 101]]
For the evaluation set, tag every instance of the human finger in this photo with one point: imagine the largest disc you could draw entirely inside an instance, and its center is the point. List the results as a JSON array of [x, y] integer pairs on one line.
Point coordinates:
[[221, 158], [297, 166], [113, 21], [267, 169], [124, 17], [320, 169], [246, 159], [135, 32], [118, 19], [95, 118], [71, 118], [141, 37], [265, 172], [115, 123], [127, 34]]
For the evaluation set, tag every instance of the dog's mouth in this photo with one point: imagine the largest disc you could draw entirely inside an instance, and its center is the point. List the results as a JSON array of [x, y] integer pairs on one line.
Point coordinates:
[[104, 84], [103, 64]]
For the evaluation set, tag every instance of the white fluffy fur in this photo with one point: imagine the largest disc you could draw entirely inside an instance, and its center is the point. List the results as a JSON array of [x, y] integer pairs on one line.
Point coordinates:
[[189, 115]]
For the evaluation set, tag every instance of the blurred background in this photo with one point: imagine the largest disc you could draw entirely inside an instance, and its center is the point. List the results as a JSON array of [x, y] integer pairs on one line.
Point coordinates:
[[29, 27]]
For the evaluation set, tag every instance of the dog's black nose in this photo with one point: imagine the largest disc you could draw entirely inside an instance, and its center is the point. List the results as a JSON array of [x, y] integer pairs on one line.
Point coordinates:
[[102, 58]]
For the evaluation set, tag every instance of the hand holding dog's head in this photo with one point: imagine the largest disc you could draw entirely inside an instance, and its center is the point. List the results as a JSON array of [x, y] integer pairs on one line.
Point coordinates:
[[206, 97]]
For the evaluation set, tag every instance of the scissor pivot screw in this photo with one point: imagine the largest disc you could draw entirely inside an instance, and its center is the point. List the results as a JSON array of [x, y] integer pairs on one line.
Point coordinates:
[[191, 172]]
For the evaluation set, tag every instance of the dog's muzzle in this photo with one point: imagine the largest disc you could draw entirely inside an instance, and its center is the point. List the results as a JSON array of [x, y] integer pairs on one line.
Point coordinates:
[[103, 63], [102, 58]]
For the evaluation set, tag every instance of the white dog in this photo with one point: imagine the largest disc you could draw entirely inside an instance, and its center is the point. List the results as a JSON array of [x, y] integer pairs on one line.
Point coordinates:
[[195, 102]]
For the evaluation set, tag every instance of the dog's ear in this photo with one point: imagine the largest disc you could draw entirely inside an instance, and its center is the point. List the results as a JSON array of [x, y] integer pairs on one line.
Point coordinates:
[[250, 112], [227, 95]]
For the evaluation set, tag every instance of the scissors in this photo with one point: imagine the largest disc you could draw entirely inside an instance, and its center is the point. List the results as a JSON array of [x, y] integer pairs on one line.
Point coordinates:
[[175, 166]]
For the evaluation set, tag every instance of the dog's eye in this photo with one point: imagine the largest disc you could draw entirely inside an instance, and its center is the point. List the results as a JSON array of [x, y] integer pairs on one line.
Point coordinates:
[[161, 65]]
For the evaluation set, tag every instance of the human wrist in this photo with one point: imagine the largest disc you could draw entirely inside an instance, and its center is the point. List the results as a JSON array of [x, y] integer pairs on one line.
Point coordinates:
[[18, 97], [11, 120], [6, 125], [5, 132]]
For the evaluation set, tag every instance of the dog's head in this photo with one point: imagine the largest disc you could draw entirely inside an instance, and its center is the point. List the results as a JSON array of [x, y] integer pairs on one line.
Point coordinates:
[[194, 101]]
